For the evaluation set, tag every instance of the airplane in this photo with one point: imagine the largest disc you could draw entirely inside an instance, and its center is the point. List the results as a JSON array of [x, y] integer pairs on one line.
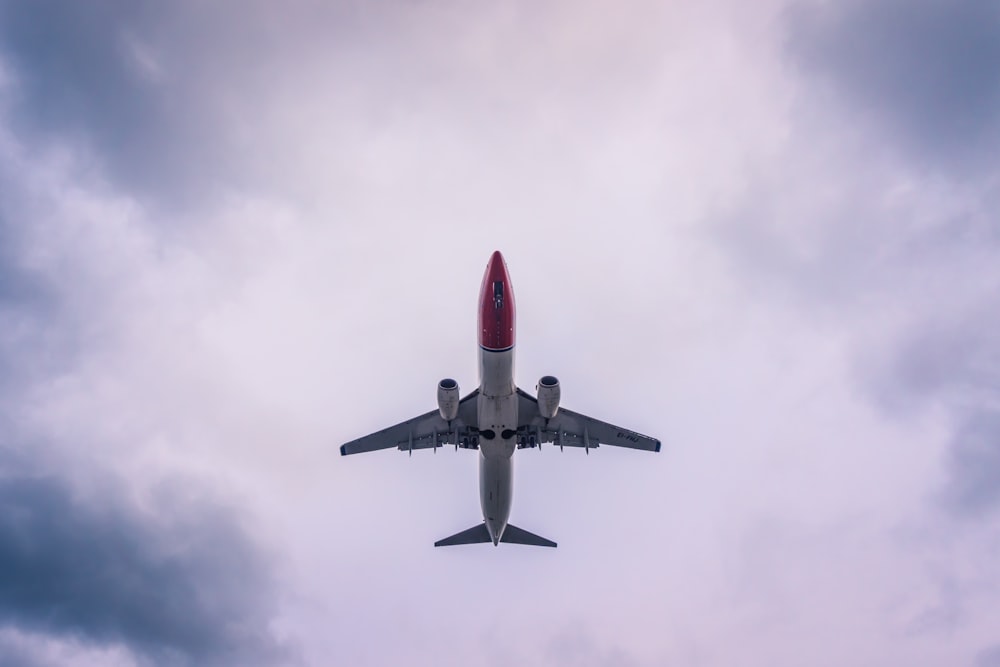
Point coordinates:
[[498, 418]]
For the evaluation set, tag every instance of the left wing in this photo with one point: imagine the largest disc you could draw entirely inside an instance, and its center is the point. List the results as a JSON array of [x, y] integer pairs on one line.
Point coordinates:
[[571, 429], [424, 432]]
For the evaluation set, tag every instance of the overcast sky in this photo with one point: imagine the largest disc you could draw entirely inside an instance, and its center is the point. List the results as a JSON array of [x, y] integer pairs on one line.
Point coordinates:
[[234, 236]]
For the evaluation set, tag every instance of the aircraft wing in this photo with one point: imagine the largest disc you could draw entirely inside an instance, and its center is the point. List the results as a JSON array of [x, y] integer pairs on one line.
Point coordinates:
[[571, 429], [424, 432]]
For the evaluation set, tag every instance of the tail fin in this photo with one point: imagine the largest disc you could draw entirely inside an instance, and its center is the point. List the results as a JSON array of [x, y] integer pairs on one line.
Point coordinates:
[[479, 534]]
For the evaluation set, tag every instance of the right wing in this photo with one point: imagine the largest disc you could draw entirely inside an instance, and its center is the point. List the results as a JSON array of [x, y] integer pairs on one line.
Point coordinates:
[[571, 429], [424, 432]]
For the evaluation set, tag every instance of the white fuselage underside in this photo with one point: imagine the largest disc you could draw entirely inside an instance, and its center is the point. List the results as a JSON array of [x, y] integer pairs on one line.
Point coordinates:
[[497, 412]]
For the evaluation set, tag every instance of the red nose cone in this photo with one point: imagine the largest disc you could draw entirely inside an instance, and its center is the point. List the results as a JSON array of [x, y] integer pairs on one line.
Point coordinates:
[[496, 306]]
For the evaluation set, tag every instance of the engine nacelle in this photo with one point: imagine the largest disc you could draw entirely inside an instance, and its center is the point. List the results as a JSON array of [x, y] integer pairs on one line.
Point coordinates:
[[548, 396], [448, 399]]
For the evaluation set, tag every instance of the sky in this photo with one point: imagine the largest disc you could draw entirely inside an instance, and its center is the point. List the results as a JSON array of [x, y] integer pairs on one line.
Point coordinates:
[[234, 236]]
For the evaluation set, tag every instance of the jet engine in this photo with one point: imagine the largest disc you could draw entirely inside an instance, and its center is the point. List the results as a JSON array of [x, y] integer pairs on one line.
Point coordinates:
[[448, 399], [548, 396]]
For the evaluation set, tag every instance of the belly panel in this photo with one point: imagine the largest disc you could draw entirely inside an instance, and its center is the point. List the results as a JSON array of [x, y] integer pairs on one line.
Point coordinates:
[[496, 481]]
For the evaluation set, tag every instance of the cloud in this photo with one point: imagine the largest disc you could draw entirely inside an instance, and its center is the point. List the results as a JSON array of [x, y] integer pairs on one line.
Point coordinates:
[[40, 650], [974, 485], [121, 82], [924, 70], [329, 162], [74, 82], [168, 102], [989, 657], [16, 654], [947, 357], [25, 301], [575, 646], [99, 555], [864, 241], [17, 286], [176, 580], [943, 355]]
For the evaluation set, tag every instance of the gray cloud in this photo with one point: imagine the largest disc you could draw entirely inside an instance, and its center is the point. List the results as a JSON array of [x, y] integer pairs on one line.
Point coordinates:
[[944, 354], [75, 82], [575, 647], [180, 584], [91, 76], [21, 288], [22, 657], [945, 614], [25, 300], [926, 69], [952, 359], [905, 268], [36, 650], [36, 334], [176, 581], [157, 97], [164, 100], [989, 657], [974, 485]]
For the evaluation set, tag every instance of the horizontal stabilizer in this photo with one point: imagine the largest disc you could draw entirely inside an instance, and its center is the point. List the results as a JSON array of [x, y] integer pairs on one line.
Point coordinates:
[[474, 535], [515, 535], [480, 535]]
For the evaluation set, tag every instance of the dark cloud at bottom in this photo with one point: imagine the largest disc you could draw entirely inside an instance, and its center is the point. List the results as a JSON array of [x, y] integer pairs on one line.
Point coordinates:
[[185, 586]]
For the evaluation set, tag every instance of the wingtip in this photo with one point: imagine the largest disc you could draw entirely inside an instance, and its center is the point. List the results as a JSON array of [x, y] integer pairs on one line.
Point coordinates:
[[343, 450], [657, 446]]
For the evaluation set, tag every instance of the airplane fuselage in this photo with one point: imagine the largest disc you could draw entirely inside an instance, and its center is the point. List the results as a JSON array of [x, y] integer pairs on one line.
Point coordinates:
[[497, 403]]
